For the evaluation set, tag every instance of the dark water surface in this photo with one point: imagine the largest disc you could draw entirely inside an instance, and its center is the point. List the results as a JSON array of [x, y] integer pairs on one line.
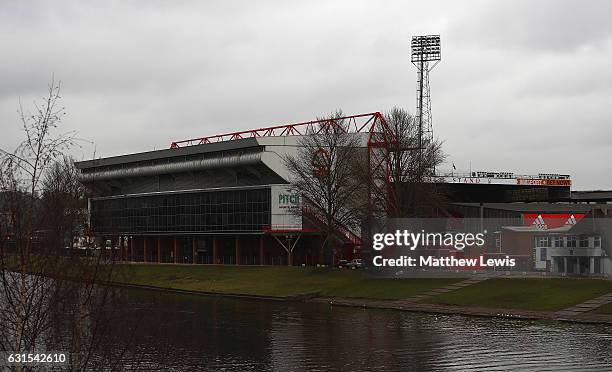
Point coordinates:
[[177, 332]]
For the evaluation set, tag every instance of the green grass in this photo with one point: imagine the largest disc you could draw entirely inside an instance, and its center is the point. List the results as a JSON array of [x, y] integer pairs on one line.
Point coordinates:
[[528, 294], [277, 281], [391, 289], [511, 293]]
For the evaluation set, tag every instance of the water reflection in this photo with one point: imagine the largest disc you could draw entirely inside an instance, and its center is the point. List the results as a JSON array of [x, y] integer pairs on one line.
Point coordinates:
[[201, 333]]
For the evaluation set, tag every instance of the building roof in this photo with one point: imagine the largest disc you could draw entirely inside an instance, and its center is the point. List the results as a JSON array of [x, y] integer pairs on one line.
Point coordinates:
[[592, 195], [533, 207], [169, 153], [527, 229]]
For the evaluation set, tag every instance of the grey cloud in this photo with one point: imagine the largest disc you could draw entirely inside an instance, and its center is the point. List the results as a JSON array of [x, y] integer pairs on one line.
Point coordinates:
[[138, 75], [535, 26]]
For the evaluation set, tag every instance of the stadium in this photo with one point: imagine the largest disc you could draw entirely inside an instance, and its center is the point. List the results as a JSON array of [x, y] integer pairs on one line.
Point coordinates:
[[226, 199]]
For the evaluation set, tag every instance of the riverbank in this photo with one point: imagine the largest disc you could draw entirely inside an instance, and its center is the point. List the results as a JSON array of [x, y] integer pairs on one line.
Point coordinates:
[[508, 297], [275, 281], [493, 312]]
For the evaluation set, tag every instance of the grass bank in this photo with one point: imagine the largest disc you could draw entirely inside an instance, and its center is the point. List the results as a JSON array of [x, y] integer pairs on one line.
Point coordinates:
[[526, 294], [277, 281], [516, 293]]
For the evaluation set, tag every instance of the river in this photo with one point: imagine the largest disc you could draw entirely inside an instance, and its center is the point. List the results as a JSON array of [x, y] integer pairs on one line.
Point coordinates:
[[179, 332]]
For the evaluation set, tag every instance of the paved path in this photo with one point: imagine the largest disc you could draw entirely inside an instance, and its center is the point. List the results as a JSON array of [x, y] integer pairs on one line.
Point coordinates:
[[582, 308], [578, 313], [437, 291]]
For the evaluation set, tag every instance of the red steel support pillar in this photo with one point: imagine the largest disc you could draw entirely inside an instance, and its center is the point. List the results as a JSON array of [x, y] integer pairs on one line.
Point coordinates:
[[131, 243], [174, 249], [193, 250], [121, 248], [237, 244], [261, 250], [159, 249], [144, 257], [215, 250]]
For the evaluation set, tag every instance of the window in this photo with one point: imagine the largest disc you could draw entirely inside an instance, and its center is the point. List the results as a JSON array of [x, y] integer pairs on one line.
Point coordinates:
[[558, 241], [571, 241], [597, 242], [235, 210], [542, 241], [543, 254], [584, 241]]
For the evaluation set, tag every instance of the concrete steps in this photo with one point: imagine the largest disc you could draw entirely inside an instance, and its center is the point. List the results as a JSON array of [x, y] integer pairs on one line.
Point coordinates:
[[584, 307], [446, 289]]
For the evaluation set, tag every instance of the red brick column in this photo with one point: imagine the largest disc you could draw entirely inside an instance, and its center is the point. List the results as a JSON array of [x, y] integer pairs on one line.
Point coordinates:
[[237, 244], [159, 249], [121, 248], [144, 240], [174, 250], [215, 250], [261, 250], [193, 250]]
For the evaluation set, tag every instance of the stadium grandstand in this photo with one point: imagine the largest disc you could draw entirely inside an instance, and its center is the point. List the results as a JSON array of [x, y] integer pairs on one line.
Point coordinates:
[[226, 199]]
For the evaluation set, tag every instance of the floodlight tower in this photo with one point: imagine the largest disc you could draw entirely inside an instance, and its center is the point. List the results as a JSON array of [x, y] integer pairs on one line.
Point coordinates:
[[425, 49]]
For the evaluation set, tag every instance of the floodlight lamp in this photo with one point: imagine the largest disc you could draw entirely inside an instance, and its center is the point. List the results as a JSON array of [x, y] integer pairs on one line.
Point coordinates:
[[426, 48]]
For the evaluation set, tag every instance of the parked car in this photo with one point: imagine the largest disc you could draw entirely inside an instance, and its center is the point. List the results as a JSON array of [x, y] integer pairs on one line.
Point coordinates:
[[355, 263], [341, 263]]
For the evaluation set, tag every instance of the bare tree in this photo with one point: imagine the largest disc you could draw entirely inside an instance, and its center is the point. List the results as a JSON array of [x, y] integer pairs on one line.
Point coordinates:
[[42, 284], [62, 191], [411, 192], [22, 172], [323, 172]]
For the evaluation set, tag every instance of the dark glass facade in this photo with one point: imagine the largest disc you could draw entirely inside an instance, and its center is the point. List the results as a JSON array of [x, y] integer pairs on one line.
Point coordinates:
[[245, 210]]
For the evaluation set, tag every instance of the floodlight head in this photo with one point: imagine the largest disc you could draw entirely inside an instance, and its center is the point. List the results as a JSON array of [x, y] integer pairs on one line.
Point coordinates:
[[426, 48]]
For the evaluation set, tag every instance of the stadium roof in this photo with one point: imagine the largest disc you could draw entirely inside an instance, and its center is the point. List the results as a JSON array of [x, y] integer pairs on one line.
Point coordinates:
[[168, 153]]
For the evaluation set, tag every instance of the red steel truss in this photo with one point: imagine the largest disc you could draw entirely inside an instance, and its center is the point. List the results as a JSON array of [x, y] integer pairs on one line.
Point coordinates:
[[372, 123], [380, 137]]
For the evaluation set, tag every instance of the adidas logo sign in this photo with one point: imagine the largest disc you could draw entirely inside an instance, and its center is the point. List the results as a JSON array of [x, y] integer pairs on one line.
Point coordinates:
[[539, 223], [571, 220]]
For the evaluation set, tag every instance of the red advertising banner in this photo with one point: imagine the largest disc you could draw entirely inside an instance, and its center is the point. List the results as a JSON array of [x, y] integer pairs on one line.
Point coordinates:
[[551, 220], [543, 182]]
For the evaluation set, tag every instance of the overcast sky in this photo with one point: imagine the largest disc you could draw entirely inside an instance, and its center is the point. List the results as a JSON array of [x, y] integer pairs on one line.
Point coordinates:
[[523, 86]]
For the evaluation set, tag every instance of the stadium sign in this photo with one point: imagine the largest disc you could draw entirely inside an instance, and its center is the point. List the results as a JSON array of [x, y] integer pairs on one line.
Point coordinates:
[[286, 207], [491, 178]]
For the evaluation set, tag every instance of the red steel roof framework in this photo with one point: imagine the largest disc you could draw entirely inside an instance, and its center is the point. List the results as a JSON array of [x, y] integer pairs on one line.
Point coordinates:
[[373, 123], [380, 137]]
